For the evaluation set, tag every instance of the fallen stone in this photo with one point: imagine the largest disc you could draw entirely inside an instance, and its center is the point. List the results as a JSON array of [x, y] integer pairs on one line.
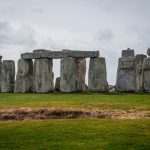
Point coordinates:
[[43, 75], [97, 79], [8, 76], [68, 75], [128, 53], [80, 73], [24, 78], [126, 75], [146, 75], [148, 52], [139, 59], [57, 84]]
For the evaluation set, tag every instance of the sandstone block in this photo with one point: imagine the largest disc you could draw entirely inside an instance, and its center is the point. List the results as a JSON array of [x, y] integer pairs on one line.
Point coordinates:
[[68, 75], [43, 75], [8, 76], [139, 59], [146, 75], [24, 78], [97, 78], [148, 52], [126, 75], [80, 73], [128, 53]]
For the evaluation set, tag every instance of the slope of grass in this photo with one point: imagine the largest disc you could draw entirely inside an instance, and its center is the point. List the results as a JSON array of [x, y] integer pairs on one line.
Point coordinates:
[[80, 134], [76, 100]]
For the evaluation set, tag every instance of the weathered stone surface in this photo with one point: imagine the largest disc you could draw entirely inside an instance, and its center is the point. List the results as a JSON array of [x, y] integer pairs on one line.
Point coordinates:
[[24, 78], [43, 75], [83, 54], [146, 75], [139, 59], [8, 76], [97, 79], [41, 51], [128, 53], [126, 75], [148, 52], [68, 75], [59, 54], [0, 70], [57, 84], [80, 73]]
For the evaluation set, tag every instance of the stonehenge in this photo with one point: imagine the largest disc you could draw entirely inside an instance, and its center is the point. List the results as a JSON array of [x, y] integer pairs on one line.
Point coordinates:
[[35, 72], [133, 74]]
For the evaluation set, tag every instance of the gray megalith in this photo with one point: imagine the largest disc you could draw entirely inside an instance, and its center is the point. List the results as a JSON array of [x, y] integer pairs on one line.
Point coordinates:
[[146, 75], [80, 73], [139, 59], [8, 76], [24, 77], [68, 75], [43, 76], [97, 78], [126, 75]]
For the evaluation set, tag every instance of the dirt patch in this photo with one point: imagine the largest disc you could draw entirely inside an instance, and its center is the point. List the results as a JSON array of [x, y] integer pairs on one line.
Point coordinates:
[[53, 113]]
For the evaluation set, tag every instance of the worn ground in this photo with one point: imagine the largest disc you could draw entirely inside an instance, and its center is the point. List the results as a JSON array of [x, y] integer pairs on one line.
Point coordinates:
[[85, 105], [89, 121]]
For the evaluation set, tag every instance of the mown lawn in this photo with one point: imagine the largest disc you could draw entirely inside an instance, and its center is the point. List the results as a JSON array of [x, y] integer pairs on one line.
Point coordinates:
[[77, 134], [76, 100]]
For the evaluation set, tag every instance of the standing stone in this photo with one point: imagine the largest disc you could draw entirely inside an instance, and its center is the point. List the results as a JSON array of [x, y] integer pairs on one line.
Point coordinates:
[[97, 79], [43, 75], [128, 53], [146, 75], [80, 73], [57, 84], [24, 78], [68, 75], [139, 59], [148, 52], [8, 76], [126, 75]]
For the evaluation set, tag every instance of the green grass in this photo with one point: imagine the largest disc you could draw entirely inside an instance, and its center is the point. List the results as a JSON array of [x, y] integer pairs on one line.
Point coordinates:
[[80, 134], [77, 134], [77, 101]]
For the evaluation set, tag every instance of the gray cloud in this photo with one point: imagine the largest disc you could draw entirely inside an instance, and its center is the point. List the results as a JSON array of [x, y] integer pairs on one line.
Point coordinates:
[[12, 36]]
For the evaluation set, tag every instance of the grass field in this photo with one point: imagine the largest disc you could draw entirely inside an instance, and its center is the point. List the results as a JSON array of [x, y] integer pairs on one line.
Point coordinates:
[[84, 134], [76, 100], [76, 134]]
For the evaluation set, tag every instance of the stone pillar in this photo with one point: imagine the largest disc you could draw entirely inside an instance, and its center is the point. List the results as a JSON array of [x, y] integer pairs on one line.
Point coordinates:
[[139, 59], [0, 70], [57, 84], [43, 75], [8, 76], [126, 72], [146, 73], [97, 78], [68, 75], [24, 78], [80, 73]]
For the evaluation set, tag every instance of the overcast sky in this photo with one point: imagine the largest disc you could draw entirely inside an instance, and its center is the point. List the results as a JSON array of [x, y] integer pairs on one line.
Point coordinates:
[[105, 25]]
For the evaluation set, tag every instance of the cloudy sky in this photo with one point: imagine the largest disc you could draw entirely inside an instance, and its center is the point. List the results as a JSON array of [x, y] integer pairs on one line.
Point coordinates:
[[105, 25]]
